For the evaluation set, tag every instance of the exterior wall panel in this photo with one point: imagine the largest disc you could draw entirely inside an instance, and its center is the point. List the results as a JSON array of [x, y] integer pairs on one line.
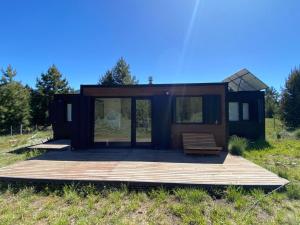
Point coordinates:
[[254, 128], [166, 133], [62, 129]]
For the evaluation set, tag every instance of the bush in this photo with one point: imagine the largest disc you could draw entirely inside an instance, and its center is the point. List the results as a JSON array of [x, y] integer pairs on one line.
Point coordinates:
[[284, 134], [297, 133], [237, 145]]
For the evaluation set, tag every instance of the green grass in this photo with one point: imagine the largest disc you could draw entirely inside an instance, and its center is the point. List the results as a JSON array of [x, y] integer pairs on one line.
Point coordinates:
[[237, 145], [297, 134], [12, 148], [75, 204]]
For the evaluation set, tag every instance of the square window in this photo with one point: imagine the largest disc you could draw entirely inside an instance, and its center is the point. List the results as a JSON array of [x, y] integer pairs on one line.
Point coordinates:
[[188, 110]]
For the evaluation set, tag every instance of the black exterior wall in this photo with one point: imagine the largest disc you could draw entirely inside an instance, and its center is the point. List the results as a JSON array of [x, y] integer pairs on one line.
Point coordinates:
[[162, 117], [165, 131], [254, 128], [79, 130], [62, 129], [166, 134]]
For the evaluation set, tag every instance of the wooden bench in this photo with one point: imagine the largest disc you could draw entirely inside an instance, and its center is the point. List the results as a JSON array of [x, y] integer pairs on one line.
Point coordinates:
[[200, 143]]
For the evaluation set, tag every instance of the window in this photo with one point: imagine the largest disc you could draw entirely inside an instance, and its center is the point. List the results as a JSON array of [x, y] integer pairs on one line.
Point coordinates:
[[233, 111], [69, 112], [112, 120], [245, 111], [143, 120], [188, 110]]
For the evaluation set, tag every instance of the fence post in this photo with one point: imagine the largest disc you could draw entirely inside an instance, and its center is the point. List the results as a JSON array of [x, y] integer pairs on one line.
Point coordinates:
[[21, 128]]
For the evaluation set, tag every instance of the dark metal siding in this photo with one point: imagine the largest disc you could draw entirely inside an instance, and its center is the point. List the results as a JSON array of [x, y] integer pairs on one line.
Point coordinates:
[[75, 138], [165, 133], [62, 129], [162, 121], [254, 128], [212, 109]]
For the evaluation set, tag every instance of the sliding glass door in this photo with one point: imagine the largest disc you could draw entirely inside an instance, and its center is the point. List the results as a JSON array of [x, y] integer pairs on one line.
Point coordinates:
[[143, 118], [112, 124], [122, 122]]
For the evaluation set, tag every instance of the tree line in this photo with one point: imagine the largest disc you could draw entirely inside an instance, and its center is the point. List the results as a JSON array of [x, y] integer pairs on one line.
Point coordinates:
[[285, 105], [26, 106], [21, 104]]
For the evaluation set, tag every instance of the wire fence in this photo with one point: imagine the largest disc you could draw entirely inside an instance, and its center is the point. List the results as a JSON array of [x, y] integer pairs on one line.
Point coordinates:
[[20, 129]]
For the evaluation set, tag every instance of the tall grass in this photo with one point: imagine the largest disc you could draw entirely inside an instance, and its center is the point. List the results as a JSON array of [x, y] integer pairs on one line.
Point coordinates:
[[237, 145], [293, 190], [297, 134]]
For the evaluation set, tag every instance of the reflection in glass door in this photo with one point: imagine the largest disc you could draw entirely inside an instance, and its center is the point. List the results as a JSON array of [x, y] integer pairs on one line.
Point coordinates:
[[143, 121], [112, 121]]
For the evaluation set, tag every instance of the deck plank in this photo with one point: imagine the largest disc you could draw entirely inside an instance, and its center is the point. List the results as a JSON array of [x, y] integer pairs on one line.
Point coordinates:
[[144, 166]]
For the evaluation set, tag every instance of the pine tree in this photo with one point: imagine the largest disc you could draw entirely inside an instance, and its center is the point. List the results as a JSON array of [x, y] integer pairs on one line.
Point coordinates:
[[290, 100], [107, 79], [49, 84], [119, 75], [8, 75], [271, 102], [14, 101]]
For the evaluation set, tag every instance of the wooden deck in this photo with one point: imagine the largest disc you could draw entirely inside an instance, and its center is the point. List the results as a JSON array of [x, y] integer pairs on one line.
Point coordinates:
[[142, 166]]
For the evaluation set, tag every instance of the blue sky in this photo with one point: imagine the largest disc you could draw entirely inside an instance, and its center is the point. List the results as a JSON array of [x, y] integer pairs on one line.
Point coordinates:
[[175, 41]]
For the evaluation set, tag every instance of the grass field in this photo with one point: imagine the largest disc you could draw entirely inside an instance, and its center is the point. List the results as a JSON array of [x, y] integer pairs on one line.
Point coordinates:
[[12, 147], [21, 204]]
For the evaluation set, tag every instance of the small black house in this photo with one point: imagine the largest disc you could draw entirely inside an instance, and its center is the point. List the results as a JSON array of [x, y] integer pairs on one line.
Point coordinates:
[[156, 115]]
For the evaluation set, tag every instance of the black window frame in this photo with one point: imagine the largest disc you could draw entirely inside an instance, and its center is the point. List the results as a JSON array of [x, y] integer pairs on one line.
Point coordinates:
[[132, 142], [187, 96], [117, 144]]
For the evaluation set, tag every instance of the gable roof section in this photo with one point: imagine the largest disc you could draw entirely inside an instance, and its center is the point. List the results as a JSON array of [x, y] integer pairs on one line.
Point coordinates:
[[244, 80]]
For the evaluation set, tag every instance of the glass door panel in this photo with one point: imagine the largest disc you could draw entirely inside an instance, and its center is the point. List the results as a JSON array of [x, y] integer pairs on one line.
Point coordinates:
[[112, 120], [143, 121]]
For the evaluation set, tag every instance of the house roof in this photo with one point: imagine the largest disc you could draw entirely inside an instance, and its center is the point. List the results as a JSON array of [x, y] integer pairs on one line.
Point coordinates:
[[244, 80]]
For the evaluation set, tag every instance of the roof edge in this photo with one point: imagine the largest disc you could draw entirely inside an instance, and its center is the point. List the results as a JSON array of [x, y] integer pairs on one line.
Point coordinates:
[[152, 85]]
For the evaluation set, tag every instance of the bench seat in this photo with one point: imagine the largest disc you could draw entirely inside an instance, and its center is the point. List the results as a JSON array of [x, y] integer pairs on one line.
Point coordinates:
[[200, 143]]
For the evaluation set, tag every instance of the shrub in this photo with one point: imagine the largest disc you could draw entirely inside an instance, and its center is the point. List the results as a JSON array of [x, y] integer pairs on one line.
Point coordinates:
[[284, 134], [237, 145], [297, 133], [293, 191]]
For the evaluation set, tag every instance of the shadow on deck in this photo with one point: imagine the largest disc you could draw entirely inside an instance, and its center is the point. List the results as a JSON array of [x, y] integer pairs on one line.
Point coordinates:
[[140, 155]]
